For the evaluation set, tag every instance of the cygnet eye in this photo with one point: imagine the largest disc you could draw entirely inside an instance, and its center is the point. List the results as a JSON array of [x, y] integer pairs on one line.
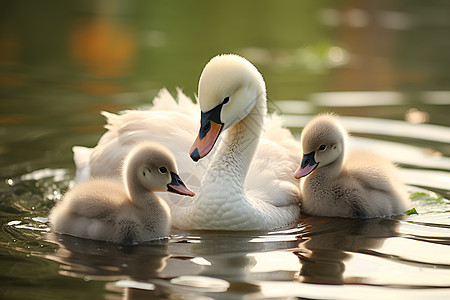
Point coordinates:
[[162, 170], [322, 147], [226, 100]]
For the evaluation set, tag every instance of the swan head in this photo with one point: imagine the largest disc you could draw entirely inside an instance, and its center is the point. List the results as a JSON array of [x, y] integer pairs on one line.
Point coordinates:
[[228, 89], [323, 142], [152, 166]]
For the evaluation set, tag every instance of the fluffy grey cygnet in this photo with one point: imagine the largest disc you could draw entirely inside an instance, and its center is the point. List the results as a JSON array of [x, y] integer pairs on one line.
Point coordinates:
[[357, 184], [125, 211]]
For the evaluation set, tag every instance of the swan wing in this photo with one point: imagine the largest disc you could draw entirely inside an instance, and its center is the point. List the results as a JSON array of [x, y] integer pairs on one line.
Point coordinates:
[[169, 122], [81, 157]]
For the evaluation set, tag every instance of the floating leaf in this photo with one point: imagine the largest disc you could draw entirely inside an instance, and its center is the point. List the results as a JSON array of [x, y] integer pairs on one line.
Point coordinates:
[[412, 211]]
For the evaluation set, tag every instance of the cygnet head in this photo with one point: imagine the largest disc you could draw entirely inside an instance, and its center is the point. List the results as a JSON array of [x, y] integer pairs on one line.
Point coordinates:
[[228, 89], [323, 142], [152, 166]]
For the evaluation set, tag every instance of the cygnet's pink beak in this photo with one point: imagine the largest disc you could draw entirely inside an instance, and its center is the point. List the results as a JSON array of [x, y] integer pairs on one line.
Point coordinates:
[[307, 166], [178, 187], [205, 141], [302, 172]]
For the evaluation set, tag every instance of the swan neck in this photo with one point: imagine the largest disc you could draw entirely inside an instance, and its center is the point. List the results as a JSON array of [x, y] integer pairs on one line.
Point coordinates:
[[237, 149], [138, 194]]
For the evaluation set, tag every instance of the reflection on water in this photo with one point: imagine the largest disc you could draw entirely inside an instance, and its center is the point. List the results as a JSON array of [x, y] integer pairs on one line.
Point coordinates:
[[325, 251], [399, 253], [382, 65], [96, 260], [359, 251]]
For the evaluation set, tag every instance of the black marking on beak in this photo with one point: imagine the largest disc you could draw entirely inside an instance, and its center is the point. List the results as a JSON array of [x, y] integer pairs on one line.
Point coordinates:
[[308, 160], [212, 115], [210, 128], [177, 186], [195, 155], [176, 180]]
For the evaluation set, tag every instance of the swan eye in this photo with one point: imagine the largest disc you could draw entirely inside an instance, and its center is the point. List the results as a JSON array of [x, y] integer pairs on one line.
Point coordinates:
[[226, 100], [322, 147], [207, 126], [162, 170]]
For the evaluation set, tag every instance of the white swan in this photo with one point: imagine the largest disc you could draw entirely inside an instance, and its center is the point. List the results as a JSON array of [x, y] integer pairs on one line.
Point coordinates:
[[360, 184], [246, 181], [108, 210]]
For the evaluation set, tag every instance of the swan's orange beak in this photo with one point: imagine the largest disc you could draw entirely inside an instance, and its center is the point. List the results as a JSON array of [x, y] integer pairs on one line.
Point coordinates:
[[307, 166], [210, 128], [177, 186], [205, 140]]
